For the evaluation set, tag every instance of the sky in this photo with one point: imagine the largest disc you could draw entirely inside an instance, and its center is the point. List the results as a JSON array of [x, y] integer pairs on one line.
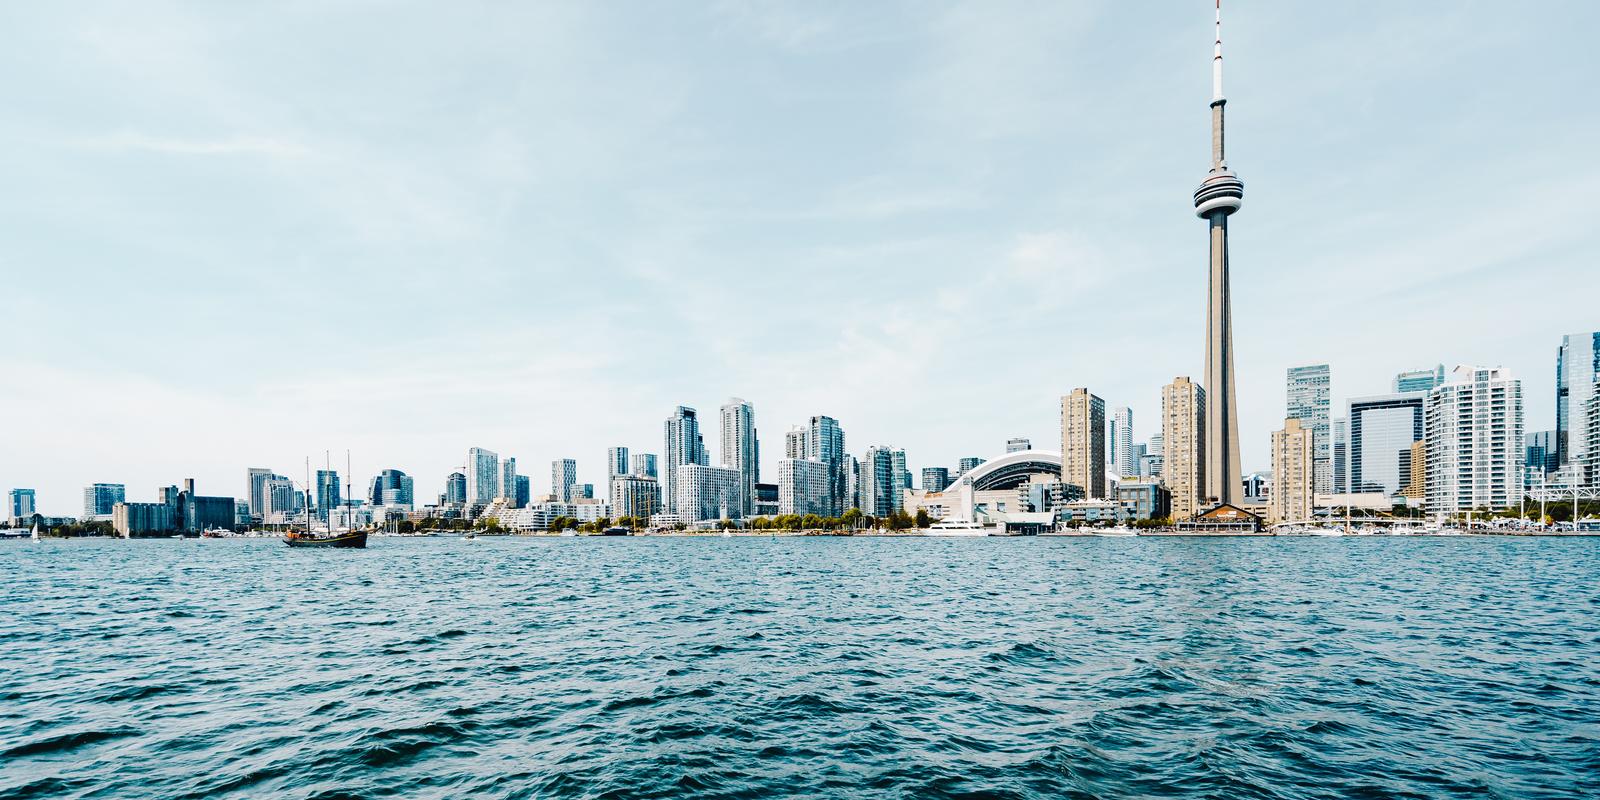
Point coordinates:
[[245, 234]]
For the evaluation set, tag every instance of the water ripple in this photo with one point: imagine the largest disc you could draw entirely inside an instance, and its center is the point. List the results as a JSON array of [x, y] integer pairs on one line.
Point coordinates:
[[512, 668]]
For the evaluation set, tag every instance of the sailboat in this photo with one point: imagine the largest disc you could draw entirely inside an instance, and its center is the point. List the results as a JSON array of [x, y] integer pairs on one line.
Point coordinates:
[[349, 538], [35, 531]]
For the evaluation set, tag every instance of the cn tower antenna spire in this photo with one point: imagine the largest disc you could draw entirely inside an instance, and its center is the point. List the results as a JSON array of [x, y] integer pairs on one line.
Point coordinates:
[[1216, 60]]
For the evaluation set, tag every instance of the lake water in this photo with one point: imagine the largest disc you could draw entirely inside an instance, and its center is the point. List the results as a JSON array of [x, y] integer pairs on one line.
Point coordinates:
[[804, 667]]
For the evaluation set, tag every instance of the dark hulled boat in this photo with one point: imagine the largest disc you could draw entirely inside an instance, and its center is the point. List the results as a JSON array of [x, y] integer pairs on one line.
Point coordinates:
[[338, 540], [350, 539], [305, 538]]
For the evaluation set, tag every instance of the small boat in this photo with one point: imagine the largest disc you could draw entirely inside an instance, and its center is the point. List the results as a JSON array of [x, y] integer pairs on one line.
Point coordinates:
[[36, 531], [307, 539], [469, 535]]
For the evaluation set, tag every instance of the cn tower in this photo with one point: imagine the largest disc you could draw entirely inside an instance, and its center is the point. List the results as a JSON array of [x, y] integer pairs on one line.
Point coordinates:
[[1219, 195]]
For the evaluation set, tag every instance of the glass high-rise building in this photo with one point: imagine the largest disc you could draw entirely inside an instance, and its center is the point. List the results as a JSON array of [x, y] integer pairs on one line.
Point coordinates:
[[508, 480], [934, 479], [483, 476], [1541, 455], [1309, 401], [455, 489], [22, 503], [1577, 365], [100, 498], [1381, 431], [1341, 455], [328, 492], [966, 465], [391, 487], [563, 475], [1420, 380], [684, 445], [642, 465], [741, 451], [616, 461], [255, 490], [1123, 459], [880, 485], [825, 443]]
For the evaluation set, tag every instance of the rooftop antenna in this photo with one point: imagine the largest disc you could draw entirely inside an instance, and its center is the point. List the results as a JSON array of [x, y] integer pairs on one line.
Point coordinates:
[[1216, 59]]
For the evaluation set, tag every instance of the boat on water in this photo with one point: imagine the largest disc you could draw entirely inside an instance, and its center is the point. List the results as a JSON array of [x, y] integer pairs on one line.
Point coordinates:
[[340, 539], [1120, 530], [35, 535], [349, 537]]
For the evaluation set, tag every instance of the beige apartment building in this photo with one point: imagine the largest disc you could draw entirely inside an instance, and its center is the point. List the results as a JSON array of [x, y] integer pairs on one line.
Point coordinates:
[[1083, 442]]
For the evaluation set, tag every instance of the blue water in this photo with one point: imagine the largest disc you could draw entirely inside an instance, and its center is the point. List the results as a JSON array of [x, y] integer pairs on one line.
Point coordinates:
[[503, 668]]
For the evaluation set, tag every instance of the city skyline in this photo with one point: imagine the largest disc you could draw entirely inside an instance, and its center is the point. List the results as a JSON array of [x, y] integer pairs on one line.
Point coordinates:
[[94, 393]]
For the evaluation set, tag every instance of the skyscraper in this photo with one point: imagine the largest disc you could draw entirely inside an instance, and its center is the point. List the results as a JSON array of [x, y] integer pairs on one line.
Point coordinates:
[[455, 489], [1083, 442], [1123, 460], [1183, 441], [684, 445], [255, 481], [1577, 365], [1308, 401], [1339, 432], [99, 498], [563, 474], [741, 451], [483, 475], [1419, 380], [825, 442], [794, 443], [508, 480], [1381, 430], [880, 489], [1541, 454], [642, 465], [616, 461], [328, 494], [1219, 196], [1292, 468], [22, 503], [966, 465], [934, 479], [391, 487], [1474, 441]]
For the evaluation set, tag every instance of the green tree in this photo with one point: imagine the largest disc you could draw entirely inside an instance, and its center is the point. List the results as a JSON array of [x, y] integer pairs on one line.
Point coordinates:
[[923, 520]]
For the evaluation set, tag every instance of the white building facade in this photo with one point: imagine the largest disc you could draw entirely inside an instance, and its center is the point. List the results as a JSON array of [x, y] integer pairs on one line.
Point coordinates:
[[1474, 441]]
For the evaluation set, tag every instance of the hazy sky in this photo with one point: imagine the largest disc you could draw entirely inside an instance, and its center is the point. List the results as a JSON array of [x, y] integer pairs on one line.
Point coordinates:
[[235, 234]]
